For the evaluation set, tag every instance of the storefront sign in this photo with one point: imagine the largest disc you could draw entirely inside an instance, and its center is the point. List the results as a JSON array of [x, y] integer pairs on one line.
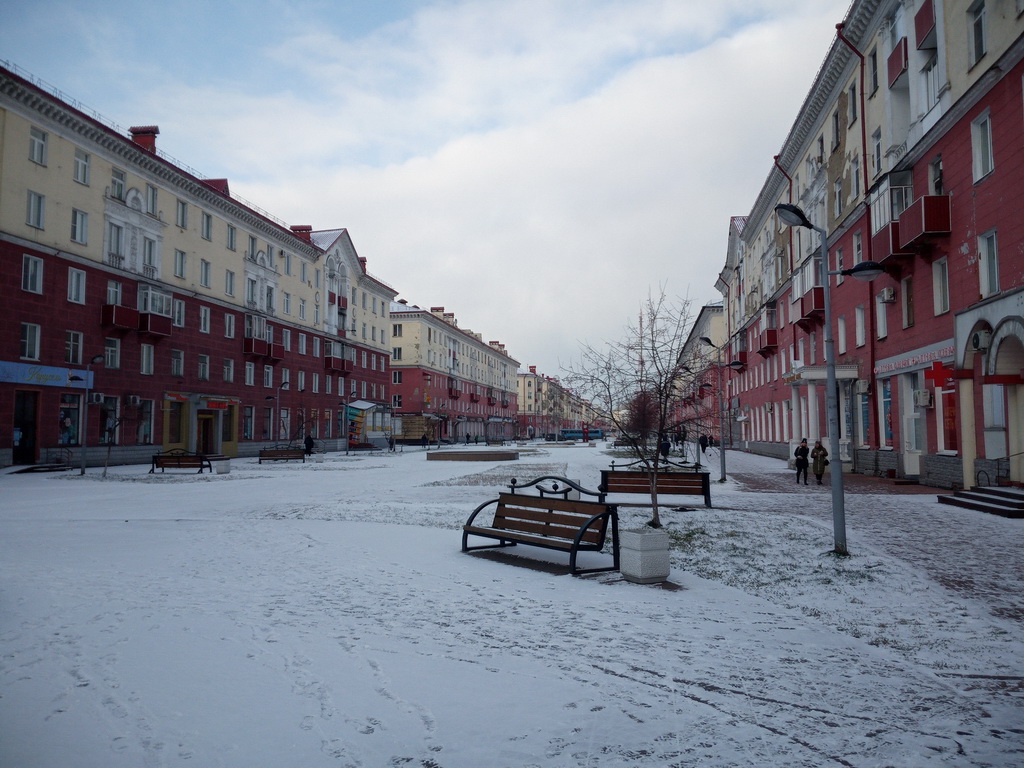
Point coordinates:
[[919, 358], [43, 375]]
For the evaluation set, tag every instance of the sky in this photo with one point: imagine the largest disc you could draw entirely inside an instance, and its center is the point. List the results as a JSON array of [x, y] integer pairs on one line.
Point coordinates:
[[537, 167], [260, 618]]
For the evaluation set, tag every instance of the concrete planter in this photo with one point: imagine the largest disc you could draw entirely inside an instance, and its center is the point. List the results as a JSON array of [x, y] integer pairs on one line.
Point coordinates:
[[644, 555], [221, 466]]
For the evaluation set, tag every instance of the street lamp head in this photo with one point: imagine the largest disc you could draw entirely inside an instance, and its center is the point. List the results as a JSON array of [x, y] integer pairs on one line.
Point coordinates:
[[96, 359], [271, 397], [865, 271], [736, 365], [709, 342], [792, 216]]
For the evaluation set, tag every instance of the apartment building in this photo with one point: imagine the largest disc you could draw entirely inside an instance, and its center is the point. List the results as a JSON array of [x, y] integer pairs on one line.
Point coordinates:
[[546, 407], [909, 152], [147, 308], [447, 383]]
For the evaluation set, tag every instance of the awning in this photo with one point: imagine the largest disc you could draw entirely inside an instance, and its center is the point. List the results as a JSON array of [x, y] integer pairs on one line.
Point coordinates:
[[362, 405]]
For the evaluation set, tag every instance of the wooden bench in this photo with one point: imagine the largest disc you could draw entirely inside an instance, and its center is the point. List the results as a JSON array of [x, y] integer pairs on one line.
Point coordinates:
[[668, 483], [550, 523], [282, 453], [179, 459]]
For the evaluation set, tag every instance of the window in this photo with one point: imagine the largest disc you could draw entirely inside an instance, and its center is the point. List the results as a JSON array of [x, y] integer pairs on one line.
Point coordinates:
[[229, 282], [229, 369], [115, 244], [302, 381], [976, 31], [839, 265], [935, 184], [203, 368], [250, 292], [286, 339], [149, 258], [316, 278], [178, 317], [316, 346], [232, 237], [396, 353], [204, 319], [117, 184], [396, 330], [940, 285], [988, 263], [181, 214], [873, 70], [146, 352], [841, 335], [287, 263], [206, 226], [876, 151], [858, 247], [113, 292], [73, 347], [837, 198], [860, 332], [37, 146], [151, 200], [302, 309], [251, 253], [881, 318], [302, 343], [204, 273], [250, 374], [286, 302], [907, 300], [304, 272], [179, 263], [316, 314], [30, 333], [852, 104], [36, 211], [76, 285], [316, 383], [31, 274], [81, 167], [835, 129], [268, 376], [229, 325], [981, 146], [177, 362], [155, 301], [931, 82], [111, 353]]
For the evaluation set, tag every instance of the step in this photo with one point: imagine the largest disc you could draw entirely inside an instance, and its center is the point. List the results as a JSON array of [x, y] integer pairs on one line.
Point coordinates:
[[981, 506], [1007, 492], [984, 495]]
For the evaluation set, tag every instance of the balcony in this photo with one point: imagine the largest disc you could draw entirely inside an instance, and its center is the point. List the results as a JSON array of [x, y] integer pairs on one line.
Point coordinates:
[[897, 64], [115, 260], [454, 393], [154, 324], [116, 316], [492, 401], [885, 243], [337, 365], [812, 303], [741, 356], [924, 25], [275, 351], [255, 347], [768, 342], [474, 397], [925, 218]]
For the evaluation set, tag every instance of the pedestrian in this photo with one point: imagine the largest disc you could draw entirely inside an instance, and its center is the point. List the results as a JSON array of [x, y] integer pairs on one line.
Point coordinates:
[[819, 460], [665, 446], [801, 453], [467, 438], [391, 443], [703, 443], [423, 441], [309, 445]]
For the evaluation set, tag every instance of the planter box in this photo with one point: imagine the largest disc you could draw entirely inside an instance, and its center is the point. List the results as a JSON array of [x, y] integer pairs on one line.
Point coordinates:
[[221, 466], [644, 556]]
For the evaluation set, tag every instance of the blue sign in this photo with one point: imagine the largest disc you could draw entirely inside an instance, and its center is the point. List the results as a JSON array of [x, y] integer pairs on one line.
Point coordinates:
[[44, 375]]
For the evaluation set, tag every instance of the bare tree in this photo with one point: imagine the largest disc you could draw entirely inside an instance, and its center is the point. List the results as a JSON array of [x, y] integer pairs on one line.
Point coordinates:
[[637, 381]]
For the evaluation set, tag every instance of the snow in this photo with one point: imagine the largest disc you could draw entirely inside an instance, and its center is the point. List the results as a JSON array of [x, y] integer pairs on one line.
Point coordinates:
[[323, 615]]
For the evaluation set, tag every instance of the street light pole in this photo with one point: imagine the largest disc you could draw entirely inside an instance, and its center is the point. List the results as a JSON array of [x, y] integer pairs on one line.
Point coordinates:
[[793, 216], [96, 360], [735, 365]]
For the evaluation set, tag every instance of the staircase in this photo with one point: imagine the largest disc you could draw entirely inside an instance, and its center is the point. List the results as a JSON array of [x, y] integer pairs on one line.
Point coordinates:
[[1007, 502]]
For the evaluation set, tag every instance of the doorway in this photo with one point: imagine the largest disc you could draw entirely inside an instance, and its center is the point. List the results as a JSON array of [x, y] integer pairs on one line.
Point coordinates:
[[26, 426]]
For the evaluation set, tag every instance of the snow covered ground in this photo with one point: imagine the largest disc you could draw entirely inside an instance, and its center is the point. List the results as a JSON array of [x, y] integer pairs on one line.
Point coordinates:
[[322, 615]]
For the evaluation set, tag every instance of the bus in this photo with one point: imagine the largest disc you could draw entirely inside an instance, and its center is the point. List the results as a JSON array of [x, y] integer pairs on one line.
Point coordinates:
[[577, 434]]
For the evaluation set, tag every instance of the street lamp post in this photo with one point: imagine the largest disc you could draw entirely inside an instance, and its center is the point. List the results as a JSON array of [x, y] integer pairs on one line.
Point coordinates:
[[96, 360], [793, 216], [734, 365], [344, 419], [276, 410]]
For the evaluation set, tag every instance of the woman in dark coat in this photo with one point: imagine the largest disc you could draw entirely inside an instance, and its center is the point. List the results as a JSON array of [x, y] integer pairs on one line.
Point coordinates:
[[819, 460], [801, 453]]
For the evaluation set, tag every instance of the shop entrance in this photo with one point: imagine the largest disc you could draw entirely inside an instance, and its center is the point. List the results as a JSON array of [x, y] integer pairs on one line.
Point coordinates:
[[26, 423]]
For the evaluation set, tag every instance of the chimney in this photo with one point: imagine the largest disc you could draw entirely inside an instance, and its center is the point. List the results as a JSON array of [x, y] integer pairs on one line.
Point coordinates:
[[362, 262], [145, 136], [533, 369], [303, 231]]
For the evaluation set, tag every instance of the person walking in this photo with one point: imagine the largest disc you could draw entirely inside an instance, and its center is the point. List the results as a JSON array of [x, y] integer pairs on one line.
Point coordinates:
[[801, 453], [703, 443], [309, 445], [664, 446], [819, 460]]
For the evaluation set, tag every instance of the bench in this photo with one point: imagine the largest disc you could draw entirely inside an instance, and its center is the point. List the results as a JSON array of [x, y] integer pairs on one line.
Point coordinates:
[[282, 453], [179, 459], [668, 483], [549, 523]]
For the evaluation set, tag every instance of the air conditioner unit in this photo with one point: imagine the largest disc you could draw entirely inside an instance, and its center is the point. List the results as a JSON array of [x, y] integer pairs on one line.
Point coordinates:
[[862, 386], [887, 295], [96, 398], [980, 341], [923, 398], [133, 400]]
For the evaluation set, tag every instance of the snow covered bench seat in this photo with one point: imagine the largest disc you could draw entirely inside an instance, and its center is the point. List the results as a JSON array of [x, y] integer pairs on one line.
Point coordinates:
[[551, 523], [668, 483], [179, 459]]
